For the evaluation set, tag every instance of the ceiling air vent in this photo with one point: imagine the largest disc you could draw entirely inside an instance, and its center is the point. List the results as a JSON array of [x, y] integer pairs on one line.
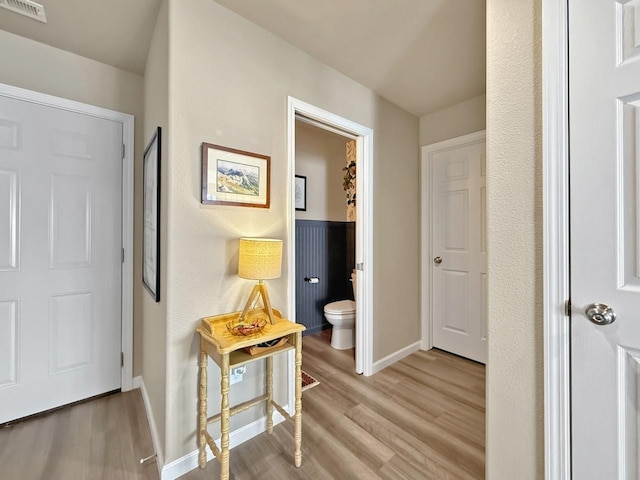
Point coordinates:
[[25, 7]]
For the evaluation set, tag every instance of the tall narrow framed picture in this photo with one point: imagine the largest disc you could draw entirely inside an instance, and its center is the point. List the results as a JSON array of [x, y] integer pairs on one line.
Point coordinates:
[[234, 177], [301, 193], [151, 216]]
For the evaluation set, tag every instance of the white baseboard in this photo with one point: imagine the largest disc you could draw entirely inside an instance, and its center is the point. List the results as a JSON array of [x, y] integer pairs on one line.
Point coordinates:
[[395, 356], [138, 382], [189, 462]]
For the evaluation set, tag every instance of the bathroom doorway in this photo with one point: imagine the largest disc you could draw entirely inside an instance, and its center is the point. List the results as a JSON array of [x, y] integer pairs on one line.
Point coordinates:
[[325, 204], [363, 138]]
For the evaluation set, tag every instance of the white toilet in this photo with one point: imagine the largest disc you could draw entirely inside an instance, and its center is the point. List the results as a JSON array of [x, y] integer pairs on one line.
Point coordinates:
[[342, 315]]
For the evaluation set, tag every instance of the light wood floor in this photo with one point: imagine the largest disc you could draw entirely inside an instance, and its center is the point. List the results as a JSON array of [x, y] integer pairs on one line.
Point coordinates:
[[422, 418], [103, 439]]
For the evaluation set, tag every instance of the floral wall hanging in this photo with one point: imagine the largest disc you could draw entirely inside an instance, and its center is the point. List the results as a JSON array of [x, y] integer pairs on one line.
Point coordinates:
[[349, 183]]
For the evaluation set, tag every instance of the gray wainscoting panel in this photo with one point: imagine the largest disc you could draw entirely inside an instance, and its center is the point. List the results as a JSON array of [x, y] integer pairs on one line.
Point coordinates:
[[325, 250]]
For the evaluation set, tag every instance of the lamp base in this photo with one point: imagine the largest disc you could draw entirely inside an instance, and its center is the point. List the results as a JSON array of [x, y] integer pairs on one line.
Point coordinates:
[[259, 289]]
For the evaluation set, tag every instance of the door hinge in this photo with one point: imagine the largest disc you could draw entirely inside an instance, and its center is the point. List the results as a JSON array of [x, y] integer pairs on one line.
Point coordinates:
[[123, 255], [360, 266], [567, 308], [123, 151], [122, 359]]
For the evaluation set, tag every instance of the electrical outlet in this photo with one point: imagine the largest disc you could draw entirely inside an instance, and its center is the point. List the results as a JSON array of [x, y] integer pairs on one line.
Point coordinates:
[[236, 374]]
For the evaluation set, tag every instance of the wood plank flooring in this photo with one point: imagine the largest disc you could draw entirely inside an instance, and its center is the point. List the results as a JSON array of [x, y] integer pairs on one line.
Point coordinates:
[[102, 439], [422, 418]]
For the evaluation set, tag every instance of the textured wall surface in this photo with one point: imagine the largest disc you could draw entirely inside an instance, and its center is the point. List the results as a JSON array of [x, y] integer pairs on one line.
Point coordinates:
[[515, 394], [154, 315], [229, 81], [321, 156], [39, 67], [465, 117]]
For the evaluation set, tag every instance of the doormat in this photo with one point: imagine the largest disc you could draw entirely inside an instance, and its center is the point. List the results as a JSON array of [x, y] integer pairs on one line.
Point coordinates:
[[308, 381]]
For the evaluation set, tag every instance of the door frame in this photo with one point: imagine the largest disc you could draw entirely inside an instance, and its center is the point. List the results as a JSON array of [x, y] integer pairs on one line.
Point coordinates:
[[426, 204], [364, 225], [126, 374], [556, 254]]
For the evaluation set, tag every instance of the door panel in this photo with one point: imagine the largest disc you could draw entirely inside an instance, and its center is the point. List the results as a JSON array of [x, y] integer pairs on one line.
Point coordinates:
[[70, 326], [71, 221], [8, 343], [455, 287], [456, 220], [604, 93], [458, 238], [9, 201], [629, 258], [629, 30], [10, 134], [72, 144], [629, 368], [60, 257]]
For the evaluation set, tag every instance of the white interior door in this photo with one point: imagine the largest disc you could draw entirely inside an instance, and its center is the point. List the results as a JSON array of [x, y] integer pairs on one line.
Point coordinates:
[[458, 246], [60, 257], [604, 90]]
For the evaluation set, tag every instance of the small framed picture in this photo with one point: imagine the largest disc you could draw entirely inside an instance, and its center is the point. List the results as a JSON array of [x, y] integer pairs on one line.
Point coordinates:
[[151, 216], [234, 177], [301, 193]]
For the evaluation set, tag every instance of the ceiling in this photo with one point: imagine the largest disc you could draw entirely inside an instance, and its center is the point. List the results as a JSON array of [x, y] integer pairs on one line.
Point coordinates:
[[422, 55], [115, 32]]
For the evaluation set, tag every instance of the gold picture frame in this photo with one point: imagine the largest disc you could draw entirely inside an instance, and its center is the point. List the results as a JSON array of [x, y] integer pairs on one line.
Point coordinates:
[[235, 177]]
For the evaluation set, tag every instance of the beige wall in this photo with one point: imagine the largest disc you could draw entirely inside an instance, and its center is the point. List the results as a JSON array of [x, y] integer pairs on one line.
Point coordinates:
[[321, 156], [465, 117], [396, 230], [515, 393], [154, 315], [229, 85], [39, 67]]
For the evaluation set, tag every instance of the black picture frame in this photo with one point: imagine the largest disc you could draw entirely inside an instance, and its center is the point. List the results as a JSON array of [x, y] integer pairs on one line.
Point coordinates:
[[300, 193], [151, 215]]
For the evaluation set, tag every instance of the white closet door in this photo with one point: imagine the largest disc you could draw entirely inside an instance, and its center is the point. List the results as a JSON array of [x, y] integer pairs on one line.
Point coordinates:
[[60, 257], [604, 91], [458, 248]]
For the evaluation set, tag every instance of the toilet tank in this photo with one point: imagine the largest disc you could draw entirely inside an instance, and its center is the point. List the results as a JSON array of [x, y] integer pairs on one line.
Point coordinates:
[[353, 282]]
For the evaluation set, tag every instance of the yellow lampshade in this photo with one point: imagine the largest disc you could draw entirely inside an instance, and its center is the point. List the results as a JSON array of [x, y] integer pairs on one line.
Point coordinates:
[[260, 258]]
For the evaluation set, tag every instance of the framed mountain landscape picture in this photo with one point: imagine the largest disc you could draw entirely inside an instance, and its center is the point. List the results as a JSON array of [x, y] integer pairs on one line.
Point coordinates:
[[234, 177]]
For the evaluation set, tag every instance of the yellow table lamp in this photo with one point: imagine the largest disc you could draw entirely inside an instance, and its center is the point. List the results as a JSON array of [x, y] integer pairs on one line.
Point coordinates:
[[260, 259]]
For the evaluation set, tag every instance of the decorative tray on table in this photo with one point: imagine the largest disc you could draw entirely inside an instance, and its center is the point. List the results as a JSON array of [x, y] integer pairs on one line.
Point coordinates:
[[255, 334], [249, 326]]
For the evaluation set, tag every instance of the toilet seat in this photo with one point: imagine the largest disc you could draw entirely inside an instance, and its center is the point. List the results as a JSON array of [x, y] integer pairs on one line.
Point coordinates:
[[345, 307]]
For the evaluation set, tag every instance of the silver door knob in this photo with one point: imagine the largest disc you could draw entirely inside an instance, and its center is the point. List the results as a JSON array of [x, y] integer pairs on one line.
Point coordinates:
[[600, 314], [437, 260]]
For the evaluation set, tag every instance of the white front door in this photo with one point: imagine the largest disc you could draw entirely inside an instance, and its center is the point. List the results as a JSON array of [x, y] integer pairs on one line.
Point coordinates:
[[604, 90], [60, 257], [458, 245]]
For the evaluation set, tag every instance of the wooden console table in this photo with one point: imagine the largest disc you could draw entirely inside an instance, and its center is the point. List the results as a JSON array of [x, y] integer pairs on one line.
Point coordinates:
[[228, 352]]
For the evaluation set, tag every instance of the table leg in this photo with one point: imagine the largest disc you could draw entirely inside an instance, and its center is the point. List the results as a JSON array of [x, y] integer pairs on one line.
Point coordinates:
[[202, 406], [224, 418], [269, 380], [298, 413]]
